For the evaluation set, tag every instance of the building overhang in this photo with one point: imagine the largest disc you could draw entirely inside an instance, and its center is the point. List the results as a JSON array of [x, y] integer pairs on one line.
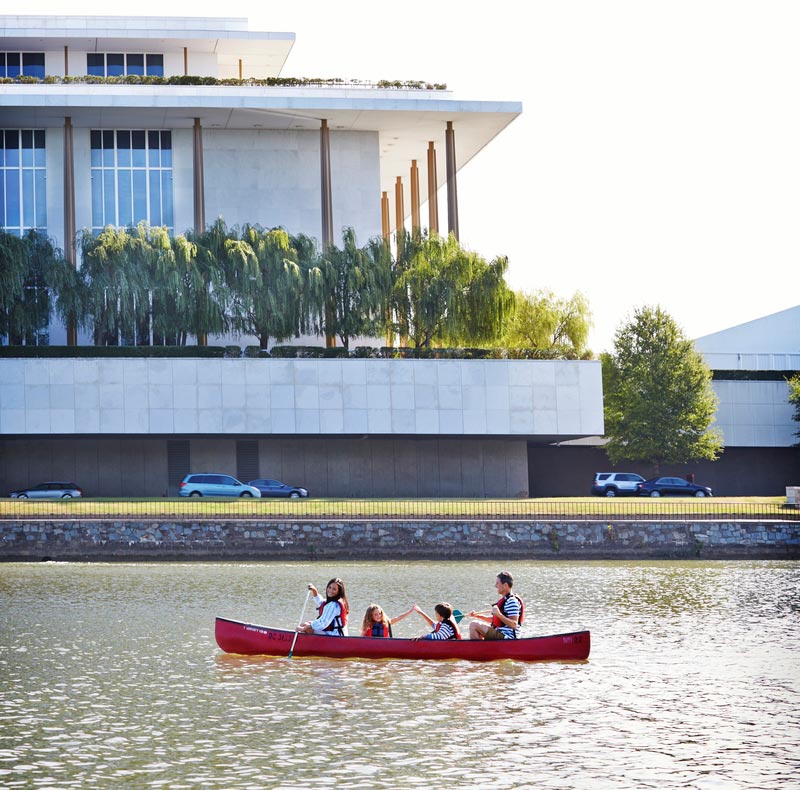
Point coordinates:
[[404, 120], [264, 53]]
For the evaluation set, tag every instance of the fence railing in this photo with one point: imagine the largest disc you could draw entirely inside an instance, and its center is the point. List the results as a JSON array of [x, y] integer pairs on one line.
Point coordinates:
[[316, 510]]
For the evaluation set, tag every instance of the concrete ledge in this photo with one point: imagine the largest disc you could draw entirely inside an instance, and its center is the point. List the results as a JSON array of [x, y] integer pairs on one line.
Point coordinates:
[[176, 540]]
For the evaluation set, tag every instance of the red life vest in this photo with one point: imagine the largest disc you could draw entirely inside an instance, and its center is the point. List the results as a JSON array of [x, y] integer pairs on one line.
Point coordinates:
[[383, 629], [501, 604], [340, 621]]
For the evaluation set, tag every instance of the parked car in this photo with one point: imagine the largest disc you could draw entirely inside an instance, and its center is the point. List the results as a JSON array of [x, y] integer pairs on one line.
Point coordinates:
[[615, 483], [671, 486], [276, 488], [48, 491], [216, 485]]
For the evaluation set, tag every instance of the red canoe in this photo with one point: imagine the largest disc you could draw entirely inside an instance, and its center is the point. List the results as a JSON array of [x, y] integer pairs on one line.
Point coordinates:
[[255, 640]]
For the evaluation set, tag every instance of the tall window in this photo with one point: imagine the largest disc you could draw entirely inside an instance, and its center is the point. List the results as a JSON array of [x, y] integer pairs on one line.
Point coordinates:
[[131, 178], [23, 197], [111, 64], [27, 64]]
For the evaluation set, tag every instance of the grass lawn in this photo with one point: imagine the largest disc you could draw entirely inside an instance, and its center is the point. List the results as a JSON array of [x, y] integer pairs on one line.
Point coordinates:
[[578, 507]]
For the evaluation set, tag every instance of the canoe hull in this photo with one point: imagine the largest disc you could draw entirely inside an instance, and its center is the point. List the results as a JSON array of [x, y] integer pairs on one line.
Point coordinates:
[[253, 640]]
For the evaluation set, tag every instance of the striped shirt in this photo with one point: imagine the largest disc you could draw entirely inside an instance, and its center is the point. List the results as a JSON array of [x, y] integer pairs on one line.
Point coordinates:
[[443, 631], [512, 609]]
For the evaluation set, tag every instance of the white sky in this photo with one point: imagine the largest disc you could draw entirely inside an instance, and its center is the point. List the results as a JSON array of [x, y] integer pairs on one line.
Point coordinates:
[[657, 159]]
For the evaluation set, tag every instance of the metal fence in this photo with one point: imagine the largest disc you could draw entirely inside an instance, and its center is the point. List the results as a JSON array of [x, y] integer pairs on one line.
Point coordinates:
[[316, 510]]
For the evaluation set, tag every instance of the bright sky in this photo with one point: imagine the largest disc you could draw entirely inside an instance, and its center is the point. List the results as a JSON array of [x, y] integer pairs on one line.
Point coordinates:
[[657, 159]]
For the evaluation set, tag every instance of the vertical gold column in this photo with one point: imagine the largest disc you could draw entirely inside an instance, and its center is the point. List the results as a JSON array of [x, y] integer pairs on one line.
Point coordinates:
[[385, 226], [433, 191], [415, 223], [199, 197], [399, 208], [240, 68], [69, 219], [66, 61], [327, 214], [452, 189], [185, 61], [199, 180]]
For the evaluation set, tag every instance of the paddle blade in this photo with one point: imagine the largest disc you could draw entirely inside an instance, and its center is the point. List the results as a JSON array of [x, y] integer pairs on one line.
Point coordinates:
[[458, 615]]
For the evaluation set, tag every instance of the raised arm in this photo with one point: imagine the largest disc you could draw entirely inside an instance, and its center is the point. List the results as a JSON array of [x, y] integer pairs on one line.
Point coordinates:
[[401, 616], [428, 620]]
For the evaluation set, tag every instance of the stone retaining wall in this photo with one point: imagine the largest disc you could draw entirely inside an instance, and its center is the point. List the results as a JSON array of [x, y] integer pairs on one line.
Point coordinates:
[[180, 540]]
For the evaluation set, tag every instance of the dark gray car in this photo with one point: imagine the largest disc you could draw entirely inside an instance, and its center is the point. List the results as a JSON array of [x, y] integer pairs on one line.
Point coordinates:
[[276, 488]]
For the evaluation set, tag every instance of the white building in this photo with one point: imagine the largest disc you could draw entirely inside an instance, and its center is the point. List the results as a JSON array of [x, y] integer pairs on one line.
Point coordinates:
[[751, 363], [311, 158]]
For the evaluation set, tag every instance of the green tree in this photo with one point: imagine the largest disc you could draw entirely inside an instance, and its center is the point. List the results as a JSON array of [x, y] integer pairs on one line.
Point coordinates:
[[357, 283], [659, 404], [116, 287], [203, 264], [25, 302], [794, 399], [445, 294], [545, 322], [274, 305]]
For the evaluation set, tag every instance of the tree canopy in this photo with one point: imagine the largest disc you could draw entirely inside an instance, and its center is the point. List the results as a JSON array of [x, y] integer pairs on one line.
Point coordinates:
[[794, 399], [543, 321], [659, 404], [444, 294]]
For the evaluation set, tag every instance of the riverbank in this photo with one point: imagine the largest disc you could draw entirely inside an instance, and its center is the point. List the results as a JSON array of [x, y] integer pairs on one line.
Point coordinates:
[[171, 540]]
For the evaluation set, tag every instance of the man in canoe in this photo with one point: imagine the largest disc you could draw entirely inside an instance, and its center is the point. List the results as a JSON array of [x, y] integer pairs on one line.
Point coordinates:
[[507, 613], [333, 611]]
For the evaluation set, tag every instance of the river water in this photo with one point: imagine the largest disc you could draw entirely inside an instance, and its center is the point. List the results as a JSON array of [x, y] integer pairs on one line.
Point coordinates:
[[110, 678]]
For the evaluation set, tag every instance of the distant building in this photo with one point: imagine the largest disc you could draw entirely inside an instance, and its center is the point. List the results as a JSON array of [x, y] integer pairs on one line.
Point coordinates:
[[310, 158], [751, 363]]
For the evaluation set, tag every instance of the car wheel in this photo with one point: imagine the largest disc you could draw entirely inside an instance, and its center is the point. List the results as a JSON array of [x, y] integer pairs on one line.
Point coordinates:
[[610, 492], [294, 495], [245, 495], [22, 496], [655, 493], [66, 496], [195, 493], [700, 493]]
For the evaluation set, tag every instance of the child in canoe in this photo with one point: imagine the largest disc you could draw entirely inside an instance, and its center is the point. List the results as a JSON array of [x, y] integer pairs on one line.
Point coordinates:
[[377, 624], [333, 611], [444, 627]]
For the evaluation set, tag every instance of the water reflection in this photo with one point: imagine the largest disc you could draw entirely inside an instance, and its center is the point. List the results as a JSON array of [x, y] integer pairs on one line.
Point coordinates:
[[111, 678]]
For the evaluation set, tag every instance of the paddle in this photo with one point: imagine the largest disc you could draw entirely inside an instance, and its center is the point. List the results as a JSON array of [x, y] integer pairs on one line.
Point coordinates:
[[302, 614], [458, 615]]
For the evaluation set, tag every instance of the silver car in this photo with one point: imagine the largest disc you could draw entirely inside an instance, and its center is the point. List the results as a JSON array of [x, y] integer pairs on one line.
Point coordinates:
[[216, 485], [48, 491]]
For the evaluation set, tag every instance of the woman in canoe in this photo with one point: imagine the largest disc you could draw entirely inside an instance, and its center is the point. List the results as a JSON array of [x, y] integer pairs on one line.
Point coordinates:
[[333, 611], [444, 626], [377, 624]]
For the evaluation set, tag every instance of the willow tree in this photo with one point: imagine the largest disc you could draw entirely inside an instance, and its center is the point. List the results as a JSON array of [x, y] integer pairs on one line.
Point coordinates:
[[444, 294], [358, 282], [116, 285], [14, 262], [206, 291], [272, 301], [543, 321], [658, 401]]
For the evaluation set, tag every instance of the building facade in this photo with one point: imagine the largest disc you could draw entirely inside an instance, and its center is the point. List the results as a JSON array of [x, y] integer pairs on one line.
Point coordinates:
[[80, 153]]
